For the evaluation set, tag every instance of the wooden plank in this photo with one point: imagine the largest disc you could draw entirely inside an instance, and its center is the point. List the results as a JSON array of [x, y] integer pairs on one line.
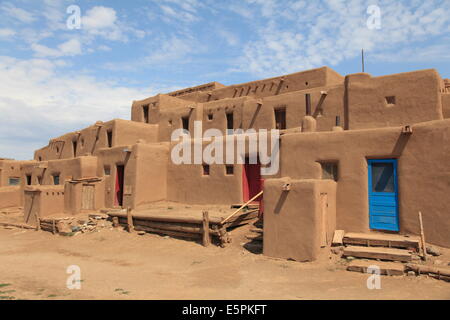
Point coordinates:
[[381, 240], [170, 226], [378, 253], [169, 233], [421, 269], [254, 237], [166, 218], [386, 268], [242, 207], [422, 238], [338, 238], [17, 225], [206, 234]]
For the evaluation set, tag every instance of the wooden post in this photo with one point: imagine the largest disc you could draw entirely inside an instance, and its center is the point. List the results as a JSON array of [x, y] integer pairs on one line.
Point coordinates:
[[422, 237], [206, 234], [38, 222], [130, 220], [242, 207], [53, 226]]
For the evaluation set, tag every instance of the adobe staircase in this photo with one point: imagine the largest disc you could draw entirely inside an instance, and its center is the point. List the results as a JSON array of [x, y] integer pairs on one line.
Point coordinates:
[[387, 251]]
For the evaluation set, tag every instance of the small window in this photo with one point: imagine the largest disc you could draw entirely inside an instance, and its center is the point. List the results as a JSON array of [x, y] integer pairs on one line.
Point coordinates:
[[110, 138], [146, 114], [185, 121], [107, 170], [57, 149], [56, 179], [206, 169], [280, 118], [229, 170], [230, 122], [210, 117], [14, 181], [390, 100], [330, 171], [82, 142], [170, 122], [28, 179]]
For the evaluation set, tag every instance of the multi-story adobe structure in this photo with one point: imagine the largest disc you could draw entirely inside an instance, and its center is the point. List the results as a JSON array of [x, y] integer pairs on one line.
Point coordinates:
[[357, 153]]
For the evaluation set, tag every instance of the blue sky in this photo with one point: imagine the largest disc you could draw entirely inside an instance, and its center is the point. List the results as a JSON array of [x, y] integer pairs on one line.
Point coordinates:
[[55, 80]]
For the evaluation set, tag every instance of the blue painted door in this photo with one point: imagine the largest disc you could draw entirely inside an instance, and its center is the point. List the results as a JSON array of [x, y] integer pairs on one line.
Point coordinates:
[[383, 195]]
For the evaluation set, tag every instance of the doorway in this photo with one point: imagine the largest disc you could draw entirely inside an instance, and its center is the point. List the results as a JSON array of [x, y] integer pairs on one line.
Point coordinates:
[[88, 197], [252, 183], [383, 195], [118, 199]]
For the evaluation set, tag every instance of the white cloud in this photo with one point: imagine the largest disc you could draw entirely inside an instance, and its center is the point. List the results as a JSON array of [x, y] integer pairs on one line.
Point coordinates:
[[71, 47], [7, 33], [295, 35], [38, 102], [17, 13], [99, 18]]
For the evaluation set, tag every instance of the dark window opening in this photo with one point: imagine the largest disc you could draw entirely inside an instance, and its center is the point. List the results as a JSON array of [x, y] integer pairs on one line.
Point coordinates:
[[40, 158], [14, 181], [229, 170], [329, 171], [383, 177], [210, 116], [74, 145], [110, 137], [107, 170], [146, 115], [230, 121], [390, 100], [185, 121], [206, 169], [28, 180], [280, 118], [56, 179]]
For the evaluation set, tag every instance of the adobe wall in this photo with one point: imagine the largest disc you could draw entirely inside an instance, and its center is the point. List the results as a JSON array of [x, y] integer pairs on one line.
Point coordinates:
[[155, 105], [73, 199], [423, 166], [446, 105], [10, 197], [295, 221], [417, 99], [10, 169], [43, 201], [187, 183], [95, 137]]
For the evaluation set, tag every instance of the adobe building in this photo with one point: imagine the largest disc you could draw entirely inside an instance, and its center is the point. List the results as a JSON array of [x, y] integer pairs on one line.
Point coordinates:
[[357, 153]]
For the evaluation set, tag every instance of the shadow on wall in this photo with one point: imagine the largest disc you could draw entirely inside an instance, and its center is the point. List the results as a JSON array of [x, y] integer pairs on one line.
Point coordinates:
[[281, 202]]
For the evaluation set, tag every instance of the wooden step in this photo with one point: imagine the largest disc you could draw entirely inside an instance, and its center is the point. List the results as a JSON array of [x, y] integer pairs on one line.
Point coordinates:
[[386, 268], [255, 237], [257, 230], [378, 253], [249, 206], [381, 240]]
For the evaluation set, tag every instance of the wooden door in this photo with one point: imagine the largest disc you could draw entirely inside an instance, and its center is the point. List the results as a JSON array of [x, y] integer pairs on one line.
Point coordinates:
[[88, 197]]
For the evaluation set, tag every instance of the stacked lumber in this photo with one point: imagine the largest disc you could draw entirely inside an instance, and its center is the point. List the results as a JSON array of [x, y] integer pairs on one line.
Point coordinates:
[[435, 272], [201, 228]]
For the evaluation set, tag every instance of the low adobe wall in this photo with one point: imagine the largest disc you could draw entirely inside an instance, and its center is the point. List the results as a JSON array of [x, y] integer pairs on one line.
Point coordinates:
[[43, 201], [299, 221]]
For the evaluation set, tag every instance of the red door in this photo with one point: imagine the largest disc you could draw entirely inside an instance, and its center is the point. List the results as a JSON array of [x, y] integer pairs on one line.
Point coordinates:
[[118, 199], [252, 183]]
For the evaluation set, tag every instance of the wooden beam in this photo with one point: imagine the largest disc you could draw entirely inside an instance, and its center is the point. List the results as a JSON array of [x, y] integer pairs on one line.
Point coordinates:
[[337, 238], [422, 237], [206, 234], [242, 207]]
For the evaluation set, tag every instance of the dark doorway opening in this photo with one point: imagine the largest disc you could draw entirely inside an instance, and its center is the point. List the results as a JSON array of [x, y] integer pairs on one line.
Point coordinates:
[[230, 122], [252, 182], [280, 118], [29, 180], [146, 116], [74, 145], [118, 201], [185, 121], [110, 137]]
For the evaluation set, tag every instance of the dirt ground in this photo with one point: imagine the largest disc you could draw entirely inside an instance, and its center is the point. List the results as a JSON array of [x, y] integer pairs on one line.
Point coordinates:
[[118, 265]]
